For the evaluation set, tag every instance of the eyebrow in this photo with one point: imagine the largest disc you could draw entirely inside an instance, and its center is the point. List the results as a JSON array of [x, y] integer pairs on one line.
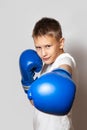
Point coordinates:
[[44, 45]]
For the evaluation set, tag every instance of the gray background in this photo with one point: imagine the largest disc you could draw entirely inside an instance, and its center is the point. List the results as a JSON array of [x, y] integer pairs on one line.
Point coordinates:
[[17, 18]]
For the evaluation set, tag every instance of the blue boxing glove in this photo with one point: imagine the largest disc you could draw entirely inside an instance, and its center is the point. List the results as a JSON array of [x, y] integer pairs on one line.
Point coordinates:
[[53, 92], [29, 63]]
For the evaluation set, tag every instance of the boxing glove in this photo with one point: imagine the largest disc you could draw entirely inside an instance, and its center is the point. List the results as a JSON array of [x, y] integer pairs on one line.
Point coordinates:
[[29, 63], [53, 92]]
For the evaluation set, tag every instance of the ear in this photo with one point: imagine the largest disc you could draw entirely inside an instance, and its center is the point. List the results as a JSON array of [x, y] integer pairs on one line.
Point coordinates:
[[61, 41]]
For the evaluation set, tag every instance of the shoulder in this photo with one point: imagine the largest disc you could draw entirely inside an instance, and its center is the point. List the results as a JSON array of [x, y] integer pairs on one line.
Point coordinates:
[[67, 59]]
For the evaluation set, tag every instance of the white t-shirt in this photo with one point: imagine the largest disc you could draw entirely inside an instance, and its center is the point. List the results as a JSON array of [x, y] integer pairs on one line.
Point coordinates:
[[44, 121]]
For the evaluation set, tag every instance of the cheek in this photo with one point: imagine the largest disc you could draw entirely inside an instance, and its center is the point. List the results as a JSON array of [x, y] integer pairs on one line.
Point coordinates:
[[39, 55], [38, 52], [55, 53]]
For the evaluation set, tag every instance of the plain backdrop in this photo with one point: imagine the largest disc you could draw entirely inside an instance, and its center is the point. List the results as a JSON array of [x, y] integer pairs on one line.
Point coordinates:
[[17, 18]]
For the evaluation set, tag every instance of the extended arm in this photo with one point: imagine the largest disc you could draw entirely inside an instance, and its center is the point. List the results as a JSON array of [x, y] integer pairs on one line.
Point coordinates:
[[53, 92]]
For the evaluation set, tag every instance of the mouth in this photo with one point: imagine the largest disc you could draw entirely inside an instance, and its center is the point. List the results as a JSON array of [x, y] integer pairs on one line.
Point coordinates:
[[46, 59]]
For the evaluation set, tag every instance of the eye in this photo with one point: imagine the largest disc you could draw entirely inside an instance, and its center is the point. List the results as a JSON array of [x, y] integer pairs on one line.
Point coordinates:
[[48, 46], [37, 47]]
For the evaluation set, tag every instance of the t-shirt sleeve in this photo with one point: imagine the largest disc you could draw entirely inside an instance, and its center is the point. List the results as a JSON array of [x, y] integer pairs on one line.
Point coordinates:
[[65, 59], [68, 60]]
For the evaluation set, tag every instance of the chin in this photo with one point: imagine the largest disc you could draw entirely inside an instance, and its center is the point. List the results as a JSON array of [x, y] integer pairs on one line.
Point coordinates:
[[48, 62]]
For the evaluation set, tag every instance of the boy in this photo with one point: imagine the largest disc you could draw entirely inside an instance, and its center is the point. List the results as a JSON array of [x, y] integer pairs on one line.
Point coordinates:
[[49, 44]]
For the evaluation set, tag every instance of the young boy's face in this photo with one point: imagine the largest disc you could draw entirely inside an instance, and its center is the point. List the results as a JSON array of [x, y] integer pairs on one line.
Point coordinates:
[[48, 48]]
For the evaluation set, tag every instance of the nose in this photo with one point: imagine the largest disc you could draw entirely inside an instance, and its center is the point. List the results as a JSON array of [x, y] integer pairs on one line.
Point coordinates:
[[44, 53]]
